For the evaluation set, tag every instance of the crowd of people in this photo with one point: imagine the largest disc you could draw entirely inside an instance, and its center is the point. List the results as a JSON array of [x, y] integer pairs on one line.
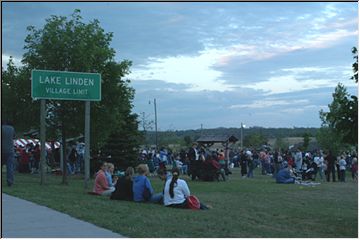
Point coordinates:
[[209, 165], [138, 188], [197, 162], [202, 164], [27, 158]]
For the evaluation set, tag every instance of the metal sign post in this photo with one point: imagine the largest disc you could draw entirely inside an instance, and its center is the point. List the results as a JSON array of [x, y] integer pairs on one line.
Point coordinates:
[[87, 144], [42, 141], [63, 85]]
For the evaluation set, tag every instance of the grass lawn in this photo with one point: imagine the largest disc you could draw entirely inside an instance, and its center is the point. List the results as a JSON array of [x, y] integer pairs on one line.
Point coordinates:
[[242, 208]]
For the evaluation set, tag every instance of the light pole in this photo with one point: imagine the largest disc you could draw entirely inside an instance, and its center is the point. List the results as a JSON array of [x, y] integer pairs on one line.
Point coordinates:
[[156, 139], [242, 135]]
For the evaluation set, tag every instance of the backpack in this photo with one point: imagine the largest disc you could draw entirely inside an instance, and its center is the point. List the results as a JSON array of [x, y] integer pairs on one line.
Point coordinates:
[[193, 202]]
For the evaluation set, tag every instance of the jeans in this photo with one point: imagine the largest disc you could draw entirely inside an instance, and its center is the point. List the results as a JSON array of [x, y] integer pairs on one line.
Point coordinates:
[[184, 169], [157, 198], [342, 175], [250, 174], [71, 168], [9, 157], [79, 163], [321, 172], [330, 170]]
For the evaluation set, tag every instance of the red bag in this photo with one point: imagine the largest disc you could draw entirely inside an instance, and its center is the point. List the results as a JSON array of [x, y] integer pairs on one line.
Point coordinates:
[[193, 202]]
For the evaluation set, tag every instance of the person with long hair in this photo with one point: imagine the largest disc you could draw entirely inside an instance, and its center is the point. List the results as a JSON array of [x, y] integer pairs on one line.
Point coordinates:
[[124, 186], [101, 185], [176, 192]]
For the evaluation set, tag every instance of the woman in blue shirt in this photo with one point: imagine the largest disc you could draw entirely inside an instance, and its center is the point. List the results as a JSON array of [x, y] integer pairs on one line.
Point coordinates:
[[142, 189]]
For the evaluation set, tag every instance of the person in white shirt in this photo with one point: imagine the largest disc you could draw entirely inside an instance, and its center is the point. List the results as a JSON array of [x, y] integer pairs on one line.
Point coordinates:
[[176, 192], [342, 166]]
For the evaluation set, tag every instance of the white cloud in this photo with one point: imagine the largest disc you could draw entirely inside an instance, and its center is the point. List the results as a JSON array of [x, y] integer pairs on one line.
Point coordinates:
[[5, 58], [324, 40], [304, 17], [303, 78], [195, 71], [288, 83], [265, 103]]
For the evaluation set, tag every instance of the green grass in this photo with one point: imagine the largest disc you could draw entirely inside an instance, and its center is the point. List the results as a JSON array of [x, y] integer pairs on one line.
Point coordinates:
[[241, 208]]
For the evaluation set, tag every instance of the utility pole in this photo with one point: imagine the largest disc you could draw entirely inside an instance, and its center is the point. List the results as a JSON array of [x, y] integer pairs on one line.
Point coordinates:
[[201, 131], [241, 139], [156, 137], [42, 140]]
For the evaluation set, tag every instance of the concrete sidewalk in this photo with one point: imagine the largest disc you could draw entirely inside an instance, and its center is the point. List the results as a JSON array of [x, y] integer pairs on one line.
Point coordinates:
[[24, 219]]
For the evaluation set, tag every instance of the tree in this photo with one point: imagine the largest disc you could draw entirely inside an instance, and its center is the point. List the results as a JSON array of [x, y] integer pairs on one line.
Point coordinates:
[[280, 144], [342, 117], [17, 103], [355, 64], [328, 139], [123, 144], [187, 140], [255, 140], [306, 143], [68, 44]]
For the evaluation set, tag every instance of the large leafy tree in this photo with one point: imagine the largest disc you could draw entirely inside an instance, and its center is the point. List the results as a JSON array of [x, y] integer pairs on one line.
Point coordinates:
[[17, 105], [69, 44], [342, 118]]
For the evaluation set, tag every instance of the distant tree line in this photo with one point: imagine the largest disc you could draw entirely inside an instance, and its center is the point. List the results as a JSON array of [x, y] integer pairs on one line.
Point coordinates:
[[252, 137]]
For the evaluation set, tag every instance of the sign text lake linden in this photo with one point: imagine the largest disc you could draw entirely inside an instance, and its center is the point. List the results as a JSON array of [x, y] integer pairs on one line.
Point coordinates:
[[46, 84]]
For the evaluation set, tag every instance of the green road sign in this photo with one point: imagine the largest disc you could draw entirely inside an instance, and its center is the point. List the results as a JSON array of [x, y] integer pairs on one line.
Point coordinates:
[[46, 84]]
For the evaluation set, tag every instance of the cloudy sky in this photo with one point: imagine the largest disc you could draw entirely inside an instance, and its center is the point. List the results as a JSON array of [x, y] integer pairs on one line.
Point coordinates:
[[218, 64]]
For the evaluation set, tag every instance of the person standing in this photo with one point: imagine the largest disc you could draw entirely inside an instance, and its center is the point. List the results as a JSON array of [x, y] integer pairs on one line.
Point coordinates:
[[194, 162], [251, 164], [342, 168], [243, 164], [298, 160], [7, 150], [330, 159], [354, 169]]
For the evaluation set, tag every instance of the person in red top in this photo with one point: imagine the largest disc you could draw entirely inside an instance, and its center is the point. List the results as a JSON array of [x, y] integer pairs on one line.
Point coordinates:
[[24, 161], [354, 169], [101, 185]]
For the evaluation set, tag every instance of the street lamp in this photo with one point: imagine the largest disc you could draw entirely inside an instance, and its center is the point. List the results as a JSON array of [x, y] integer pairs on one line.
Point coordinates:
[[156, 140], [242, 135]]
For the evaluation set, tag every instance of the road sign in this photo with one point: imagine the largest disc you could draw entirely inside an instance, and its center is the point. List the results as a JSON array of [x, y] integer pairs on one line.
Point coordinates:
[[46, 84]]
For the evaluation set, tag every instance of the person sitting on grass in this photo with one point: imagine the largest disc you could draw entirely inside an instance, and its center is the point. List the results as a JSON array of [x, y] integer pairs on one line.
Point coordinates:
[[109, 174], [101, 185], [284, 175], [142, 189], [124, 186], [176, 192]]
